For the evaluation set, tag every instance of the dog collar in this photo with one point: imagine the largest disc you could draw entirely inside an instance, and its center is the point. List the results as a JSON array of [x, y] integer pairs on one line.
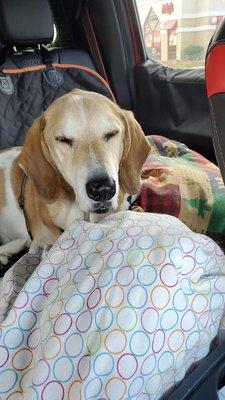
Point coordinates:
[[129, 199], [21, 201]]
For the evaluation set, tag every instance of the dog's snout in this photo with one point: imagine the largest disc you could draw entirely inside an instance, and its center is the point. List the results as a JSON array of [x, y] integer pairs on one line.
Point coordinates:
[[101, 189]]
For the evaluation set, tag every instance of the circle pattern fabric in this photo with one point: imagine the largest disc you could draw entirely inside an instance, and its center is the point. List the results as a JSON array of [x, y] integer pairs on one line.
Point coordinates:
[[117, 310]]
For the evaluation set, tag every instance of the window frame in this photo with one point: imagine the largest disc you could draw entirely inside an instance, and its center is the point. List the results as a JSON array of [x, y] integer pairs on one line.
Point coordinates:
[[166, 102]]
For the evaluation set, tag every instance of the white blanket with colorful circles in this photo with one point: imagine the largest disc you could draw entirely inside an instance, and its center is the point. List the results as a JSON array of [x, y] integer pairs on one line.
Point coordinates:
[[118, 310]]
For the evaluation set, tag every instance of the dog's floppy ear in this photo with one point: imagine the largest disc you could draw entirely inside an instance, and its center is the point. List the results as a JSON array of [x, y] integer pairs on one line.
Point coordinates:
[[135, 151], [35, 161]]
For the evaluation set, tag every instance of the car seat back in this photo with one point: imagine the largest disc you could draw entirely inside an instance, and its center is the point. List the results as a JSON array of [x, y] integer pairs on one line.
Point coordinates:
[[215, 81], [31, 77]]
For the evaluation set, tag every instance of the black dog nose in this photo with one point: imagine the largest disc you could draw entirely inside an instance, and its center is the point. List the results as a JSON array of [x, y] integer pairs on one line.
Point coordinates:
[[101, 189]]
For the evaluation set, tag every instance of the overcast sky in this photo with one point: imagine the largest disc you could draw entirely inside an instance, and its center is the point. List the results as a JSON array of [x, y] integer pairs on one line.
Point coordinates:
[[143, 8]]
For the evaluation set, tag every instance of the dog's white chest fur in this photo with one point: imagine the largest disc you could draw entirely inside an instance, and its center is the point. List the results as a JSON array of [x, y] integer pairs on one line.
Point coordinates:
[[64, 212], [12, 220]]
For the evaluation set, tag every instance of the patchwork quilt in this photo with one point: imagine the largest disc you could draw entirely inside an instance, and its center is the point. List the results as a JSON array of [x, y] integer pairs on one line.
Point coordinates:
[[118, 310], [182, 183]]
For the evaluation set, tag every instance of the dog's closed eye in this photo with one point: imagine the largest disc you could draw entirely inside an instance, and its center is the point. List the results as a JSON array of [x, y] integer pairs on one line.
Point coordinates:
[[110, 135], [65, 140]]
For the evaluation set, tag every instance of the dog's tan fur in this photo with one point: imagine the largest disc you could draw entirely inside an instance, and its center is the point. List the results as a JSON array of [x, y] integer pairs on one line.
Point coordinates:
[[2, 192], [57, 172]]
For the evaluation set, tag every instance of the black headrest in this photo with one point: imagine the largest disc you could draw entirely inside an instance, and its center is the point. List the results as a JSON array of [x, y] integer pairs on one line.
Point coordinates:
[[25, 22]]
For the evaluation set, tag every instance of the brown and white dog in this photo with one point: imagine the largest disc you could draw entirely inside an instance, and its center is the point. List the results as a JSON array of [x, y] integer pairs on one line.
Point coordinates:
[[82, 159]]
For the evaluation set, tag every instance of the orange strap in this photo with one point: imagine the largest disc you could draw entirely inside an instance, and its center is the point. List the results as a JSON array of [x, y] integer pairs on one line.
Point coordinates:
[[74, 66]]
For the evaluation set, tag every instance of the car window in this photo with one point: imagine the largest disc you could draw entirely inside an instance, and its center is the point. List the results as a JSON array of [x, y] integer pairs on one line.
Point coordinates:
[[177, 33]]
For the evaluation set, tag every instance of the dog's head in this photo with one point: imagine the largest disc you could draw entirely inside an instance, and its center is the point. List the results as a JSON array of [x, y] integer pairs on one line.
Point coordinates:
[[89, 142]]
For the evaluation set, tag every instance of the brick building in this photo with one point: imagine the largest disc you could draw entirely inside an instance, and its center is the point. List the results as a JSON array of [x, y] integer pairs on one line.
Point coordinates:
[[172, 26]]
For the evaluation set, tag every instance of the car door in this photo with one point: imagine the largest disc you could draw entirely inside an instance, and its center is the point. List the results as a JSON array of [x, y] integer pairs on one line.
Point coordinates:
[[154, 52], [172, 39]]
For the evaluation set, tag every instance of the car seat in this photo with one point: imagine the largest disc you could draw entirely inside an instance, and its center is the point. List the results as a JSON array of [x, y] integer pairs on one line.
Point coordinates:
[[32, 77], [215, 82]]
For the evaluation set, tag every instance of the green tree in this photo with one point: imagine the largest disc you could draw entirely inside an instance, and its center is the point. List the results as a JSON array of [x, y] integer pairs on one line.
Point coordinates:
[[201, 205], [193, 52]]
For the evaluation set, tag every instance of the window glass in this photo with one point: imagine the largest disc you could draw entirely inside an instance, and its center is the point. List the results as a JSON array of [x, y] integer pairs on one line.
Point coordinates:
[[178, 32]]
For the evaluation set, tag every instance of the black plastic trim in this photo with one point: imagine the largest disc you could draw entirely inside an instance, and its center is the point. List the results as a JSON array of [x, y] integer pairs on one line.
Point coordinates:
[[204, 380], [108, 33]]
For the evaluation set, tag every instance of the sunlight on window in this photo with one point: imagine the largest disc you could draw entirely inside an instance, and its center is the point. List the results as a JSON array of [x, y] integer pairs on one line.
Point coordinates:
[[178, 32]]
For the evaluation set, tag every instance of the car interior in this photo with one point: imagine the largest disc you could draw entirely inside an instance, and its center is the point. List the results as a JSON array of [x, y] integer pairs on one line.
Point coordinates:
[[50, 47]]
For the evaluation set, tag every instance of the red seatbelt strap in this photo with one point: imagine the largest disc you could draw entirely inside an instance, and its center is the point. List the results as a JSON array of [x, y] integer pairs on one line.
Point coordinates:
[[133, 27], [93, 44]]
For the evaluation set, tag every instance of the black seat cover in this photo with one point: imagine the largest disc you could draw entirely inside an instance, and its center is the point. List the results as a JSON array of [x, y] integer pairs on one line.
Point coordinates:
[[30, 81]]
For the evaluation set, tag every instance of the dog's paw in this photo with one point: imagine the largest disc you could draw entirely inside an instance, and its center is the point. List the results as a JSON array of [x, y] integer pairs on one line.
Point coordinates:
[[4, 259], [45, 251], [136, 208], [171, 149]]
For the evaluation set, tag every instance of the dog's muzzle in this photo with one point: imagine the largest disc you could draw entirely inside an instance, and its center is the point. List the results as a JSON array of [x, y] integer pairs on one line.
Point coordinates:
[[101, 190]]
